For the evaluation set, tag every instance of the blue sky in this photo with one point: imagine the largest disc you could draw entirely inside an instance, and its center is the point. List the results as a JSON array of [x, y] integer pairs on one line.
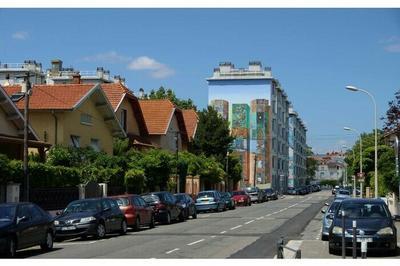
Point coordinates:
[[314, 53]]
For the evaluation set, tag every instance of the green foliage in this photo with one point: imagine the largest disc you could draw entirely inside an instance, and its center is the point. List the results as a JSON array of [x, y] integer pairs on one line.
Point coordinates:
[[234, 168], [120, 146], [211, 171], [135, 181], [169, 94], [171, 185], [212, 135], [392, 119]]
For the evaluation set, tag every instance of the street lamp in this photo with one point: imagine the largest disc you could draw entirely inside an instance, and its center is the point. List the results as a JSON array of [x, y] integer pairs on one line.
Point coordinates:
[[177, 161], [361, 169], [227, 169], [355, 89]]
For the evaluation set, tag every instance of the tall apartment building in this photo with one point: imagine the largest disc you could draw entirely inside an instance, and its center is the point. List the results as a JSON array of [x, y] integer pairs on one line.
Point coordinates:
[[14, 73], [258, 112], [297, 150]]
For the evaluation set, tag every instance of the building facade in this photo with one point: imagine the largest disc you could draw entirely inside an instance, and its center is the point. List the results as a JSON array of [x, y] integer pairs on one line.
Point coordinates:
[[257, 109], [297, 150], [330, 166]]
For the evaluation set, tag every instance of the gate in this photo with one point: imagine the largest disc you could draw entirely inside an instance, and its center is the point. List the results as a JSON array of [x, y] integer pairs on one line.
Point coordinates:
[[53, 198]]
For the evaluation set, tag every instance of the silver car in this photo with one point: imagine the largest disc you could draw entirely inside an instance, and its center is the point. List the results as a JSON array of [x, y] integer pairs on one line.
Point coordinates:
[[326, 222]]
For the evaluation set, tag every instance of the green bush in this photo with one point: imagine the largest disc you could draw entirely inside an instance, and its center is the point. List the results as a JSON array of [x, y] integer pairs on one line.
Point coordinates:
[[135, 181]]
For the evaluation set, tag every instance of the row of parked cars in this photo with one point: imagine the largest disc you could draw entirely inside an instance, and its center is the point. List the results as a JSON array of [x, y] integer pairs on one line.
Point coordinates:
[[303, 190], [23, 225], [375, 224]]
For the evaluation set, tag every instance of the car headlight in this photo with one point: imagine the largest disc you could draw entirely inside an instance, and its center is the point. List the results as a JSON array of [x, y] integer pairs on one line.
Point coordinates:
[[328, 222], [87, 219], [56, 222], [183, 205], [385, 231], [337, 230]]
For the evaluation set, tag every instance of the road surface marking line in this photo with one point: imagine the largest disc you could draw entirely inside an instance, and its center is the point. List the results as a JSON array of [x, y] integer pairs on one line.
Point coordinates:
[[223, 232], [92, 242], [249, 222], [172, 250], [195, 242], [268, 215], [213, 236], [259, 218], [236, 227]]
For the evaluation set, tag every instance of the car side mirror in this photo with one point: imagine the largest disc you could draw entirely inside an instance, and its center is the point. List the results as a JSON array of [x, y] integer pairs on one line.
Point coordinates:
[[22, 219]]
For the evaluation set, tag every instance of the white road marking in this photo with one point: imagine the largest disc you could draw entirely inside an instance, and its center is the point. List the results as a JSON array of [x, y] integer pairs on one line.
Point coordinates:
[[172, 250], [195, 242], [223, 232], [284, 209], [249, 222], [259, 218], [236, 227], [92, 242], [213, 236], [268, 215]]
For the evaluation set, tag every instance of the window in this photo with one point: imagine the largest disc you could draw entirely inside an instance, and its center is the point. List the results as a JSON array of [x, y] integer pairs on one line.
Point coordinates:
[[75, 141], [36, 214], [123, 119], [86, 119], [95, 144], [136, 202]]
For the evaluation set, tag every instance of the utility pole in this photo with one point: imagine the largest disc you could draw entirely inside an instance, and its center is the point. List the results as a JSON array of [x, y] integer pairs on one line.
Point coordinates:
[[26, 125], [227, 169], [255, 169], [178, 185]]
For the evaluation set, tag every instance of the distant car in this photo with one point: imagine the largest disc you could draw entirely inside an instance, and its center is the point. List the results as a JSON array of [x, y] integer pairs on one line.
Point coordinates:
[[374, 225], [342, 193], [271, 194], [23, 225], [210, 200], [303, 190], [165, 205], [335, 189], [292, 191], [316, 188], [327, 219], [255, 194], [85, 217], [187, 204], [137, 212], [229, 202], [240, 197]]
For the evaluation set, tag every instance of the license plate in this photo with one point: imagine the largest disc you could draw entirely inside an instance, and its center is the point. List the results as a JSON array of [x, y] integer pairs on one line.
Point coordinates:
[[68, 228], [241, 200], [364, 239]]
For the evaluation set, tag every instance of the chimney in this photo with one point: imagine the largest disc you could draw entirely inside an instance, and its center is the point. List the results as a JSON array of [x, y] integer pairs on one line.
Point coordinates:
[[76, 78], [56, 65]]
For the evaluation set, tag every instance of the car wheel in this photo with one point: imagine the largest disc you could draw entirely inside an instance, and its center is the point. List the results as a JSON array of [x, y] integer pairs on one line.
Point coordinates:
[[168, 219], [194, 216], [124, 227], [136, 227], [152, 222], [48, 242], [100, 231], [12, 248]]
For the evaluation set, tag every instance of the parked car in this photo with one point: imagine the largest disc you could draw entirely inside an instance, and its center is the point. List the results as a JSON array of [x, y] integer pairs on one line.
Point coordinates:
[[240, 197], [229, 202], [90, 217], [335, 189], [137, 212], [374, 224], [187, 204], [303, 190], [166, 207], [210, 200], [316, 188], [23, 225], [255, 194], [328, 218], [292, 191], [271, 194], [342, 193]]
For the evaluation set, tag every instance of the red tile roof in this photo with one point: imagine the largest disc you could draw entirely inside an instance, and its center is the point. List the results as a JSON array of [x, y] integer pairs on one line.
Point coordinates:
[[157, 115], [191, 119], [59, 96], [115, 92]]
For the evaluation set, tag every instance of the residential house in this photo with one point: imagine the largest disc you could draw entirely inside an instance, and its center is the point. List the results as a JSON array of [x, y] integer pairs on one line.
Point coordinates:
[[165, 124], [77, 115]]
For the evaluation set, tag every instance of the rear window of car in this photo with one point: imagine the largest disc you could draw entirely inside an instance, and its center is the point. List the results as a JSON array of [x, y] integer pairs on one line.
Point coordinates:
[[344, 192], [363, 210], [205, 194], [150, 198], [333, 207], [122, 201], [251, 189], [235, 193]]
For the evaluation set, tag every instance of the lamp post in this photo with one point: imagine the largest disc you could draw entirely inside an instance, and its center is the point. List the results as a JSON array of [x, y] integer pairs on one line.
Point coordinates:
[[355, 89], [177, 161], [227, 169], [255, 169], [361, 169], [27, 93]]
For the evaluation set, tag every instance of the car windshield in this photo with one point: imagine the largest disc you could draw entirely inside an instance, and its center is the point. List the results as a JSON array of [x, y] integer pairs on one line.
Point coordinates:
[[150, 198], [122, 201], [333, 206], [361, 210], [251, 189], [205, 194], [180, 197], [7, 213], [344, 192], [83, 206], [235, 193]]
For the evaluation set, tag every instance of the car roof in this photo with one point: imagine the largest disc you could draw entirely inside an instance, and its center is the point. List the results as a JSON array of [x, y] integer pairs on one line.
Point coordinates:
[[363, 200], [208, 191], [124, 196]]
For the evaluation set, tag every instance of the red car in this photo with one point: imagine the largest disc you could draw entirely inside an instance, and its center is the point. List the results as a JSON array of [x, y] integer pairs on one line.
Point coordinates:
[[137, 212], [240, 197]]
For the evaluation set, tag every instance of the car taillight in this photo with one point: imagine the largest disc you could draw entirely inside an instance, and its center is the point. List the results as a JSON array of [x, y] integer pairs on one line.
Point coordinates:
[[130, 210], [159, 206]]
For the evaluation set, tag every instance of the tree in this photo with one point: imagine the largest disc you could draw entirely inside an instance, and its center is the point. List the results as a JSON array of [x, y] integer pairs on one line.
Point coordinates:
[[311, 164], [212, 136], [392, 120], [169, 94]]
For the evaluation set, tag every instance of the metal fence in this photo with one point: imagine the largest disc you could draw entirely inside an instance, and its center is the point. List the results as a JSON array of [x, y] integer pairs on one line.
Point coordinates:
[[54, 198]]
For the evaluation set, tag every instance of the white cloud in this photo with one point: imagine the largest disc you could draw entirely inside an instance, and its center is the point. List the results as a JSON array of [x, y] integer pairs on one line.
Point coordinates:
[[392, 44], [20, 35], [156, 69], [108, 57]]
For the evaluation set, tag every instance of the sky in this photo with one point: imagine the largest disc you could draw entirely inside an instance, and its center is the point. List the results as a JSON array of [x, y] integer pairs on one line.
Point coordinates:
[[314, 53]]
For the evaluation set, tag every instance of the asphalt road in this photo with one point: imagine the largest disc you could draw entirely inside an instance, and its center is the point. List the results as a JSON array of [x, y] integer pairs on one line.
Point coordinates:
[[246, 232]]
